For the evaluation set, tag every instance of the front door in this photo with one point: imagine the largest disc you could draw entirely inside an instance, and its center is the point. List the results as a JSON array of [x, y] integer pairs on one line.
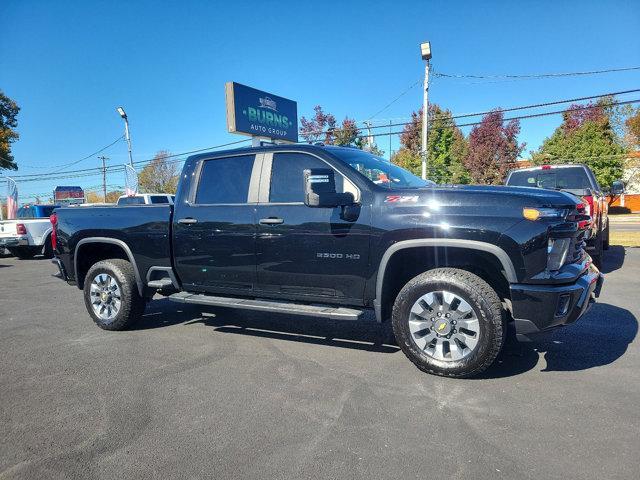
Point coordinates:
[[214, 230], [305, 252]]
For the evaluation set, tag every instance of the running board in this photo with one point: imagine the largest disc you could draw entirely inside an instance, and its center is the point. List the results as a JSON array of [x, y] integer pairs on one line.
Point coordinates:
[[324, 311]]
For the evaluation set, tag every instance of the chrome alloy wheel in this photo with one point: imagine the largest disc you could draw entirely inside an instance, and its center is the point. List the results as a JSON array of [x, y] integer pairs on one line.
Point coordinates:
[[444, 326], [105, 297]]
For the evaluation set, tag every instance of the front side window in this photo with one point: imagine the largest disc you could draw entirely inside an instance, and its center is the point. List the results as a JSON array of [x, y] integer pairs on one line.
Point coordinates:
[[225, 180], [287, 178]]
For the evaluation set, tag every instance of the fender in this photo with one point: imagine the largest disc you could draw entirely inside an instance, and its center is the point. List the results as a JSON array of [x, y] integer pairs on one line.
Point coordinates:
[[112, 241], [499, 253], [44, 236]]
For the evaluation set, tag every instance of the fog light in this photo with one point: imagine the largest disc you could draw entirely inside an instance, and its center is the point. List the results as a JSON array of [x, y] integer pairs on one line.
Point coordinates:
[[563, 305]]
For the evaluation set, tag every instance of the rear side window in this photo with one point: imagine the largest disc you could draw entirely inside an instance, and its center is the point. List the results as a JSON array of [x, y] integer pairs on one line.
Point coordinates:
[[556, 178], [225, 180], [287, 179], [159, 199]]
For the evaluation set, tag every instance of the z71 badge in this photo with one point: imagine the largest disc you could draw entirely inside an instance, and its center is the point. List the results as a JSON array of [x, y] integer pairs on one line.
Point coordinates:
[[401, 199]]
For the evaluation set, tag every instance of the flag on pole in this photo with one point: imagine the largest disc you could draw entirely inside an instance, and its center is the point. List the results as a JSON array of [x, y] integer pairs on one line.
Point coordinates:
[[131, 180], [12, 199]]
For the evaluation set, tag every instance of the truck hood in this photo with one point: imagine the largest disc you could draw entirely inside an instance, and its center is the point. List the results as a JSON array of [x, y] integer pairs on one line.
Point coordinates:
[[484, 196]]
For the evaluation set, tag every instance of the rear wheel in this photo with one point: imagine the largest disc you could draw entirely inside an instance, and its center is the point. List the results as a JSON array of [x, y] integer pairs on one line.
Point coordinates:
[[111, 294], [449, 322]]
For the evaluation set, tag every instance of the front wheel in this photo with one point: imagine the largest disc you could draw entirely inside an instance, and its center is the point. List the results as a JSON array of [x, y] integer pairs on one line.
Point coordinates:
[[449, 322], [111, 295]]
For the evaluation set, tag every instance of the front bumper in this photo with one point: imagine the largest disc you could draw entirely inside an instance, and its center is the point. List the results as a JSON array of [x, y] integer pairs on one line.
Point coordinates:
[[8, 242], [539, 308]]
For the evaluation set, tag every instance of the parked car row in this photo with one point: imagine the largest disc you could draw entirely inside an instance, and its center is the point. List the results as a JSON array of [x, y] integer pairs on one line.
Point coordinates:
[[29, 234]]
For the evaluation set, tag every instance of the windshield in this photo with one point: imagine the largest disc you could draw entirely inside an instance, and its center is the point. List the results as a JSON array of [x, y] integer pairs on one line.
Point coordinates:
[[555, 179], [378, 170]]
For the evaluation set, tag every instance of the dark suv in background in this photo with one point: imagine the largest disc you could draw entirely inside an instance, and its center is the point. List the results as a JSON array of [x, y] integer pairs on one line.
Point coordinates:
[[580, 181]]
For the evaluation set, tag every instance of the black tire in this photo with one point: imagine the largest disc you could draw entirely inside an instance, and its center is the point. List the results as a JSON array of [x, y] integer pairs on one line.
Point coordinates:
[[47, 250], [605, 240], [23, 253], [132, 304], [596, 256], [485, 304]]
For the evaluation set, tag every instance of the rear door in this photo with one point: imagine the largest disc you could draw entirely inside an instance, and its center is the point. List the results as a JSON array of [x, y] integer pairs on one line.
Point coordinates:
[[305, 252], [214, 227]]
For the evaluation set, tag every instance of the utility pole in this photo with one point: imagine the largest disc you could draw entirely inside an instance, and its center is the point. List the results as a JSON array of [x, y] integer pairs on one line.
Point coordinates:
[[390, 152], [104, 177], [425, 50], [369, 137]]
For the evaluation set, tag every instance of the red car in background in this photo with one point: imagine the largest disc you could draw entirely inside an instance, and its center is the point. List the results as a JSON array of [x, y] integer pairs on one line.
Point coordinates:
[[580, 181]]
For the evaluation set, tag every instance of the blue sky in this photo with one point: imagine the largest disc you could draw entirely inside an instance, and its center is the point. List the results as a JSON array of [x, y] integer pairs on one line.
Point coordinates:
[[69, 64]]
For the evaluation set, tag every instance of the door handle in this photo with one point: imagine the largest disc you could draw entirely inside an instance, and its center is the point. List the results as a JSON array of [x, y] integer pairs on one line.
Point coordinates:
[[271, 221], [188, 221]]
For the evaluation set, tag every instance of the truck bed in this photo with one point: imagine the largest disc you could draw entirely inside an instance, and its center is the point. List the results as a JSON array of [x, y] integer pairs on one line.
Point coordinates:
[[144, 229]]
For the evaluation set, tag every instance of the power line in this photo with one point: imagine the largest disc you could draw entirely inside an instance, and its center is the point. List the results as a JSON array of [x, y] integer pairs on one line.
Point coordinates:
[[511, 109], [395, 99], [78, 161], [521, 117], [536, 75], [112, 168]]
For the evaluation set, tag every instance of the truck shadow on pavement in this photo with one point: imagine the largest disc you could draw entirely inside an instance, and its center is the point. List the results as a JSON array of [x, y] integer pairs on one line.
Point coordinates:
[[360, 335], [599, 338], [613, 259]]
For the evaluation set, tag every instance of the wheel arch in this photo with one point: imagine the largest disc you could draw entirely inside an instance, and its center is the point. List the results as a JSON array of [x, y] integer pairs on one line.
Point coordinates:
[[489, 250], [113, 245]]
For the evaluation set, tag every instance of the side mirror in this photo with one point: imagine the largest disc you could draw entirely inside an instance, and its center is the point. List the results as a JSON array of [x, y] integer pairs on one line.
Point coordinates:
[[320, 189], [617, 187]]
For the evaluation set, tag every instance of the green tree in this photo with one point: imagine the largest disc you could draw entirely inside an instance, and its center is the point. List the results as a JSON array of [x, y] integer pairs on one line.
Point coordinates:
[[592, 142], [160, 175], [632, 125], [8, 122], [446, 147], [346, 134]]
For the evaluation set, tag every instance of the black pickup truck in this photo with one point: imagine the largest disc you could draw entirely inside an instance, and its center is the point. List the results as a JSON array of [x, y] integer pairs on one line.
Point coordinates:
[[331, 231]]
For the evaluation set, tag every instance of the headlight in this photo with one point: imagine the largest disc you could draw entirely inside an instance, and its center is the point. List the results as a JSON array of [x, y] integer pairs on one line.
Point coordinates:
[[557, 251], [534, 214]]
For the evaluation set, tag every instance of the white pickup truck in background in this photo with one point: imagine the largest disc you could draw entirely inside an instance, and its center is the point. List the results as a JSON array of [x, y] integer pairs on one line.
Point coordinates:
[[146, 199], [29, 234]]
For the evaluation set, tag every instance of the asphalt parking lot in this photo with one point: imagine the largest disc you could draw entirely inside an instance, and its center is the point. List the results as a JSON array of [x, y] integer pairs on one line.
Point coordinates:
[[232, 394]]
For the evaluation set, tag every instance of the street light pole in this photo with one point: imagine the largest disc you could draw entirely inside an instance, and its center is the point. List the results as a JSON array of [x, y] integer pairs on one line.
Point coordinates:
[[425, 50], [126, 132]]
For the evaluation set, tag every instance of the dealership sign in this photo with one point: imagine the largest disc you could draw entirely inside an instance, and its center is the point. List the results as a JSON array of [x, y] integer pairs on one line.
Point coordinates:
[[260, 114]]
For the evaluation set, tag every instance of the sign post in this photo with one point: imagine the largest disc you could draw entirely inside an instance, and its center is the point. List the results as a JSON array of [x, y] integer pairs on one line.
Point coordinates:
[[260, 115]]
